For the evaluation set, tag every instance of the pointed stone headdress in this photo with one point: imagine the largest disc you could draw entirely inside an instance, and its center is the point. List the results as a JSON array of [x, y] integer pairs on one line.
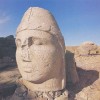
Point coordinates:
[[36, 18]]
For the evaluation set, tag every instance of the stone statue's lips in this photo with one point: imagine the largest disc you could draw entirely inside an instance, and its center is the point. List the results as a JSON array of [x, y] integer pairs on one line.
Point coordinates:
[[26, 60]]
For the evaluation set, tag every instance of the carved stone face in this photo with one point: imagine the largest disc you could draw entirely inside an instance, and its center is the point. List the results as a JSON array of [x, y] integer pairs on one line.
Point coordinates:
[[39, 55]]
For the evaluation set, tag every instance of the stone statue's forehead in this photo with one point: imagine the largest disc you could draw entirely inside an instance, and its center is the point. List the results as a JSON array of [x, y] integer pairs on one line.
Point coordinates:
[[34, 33]]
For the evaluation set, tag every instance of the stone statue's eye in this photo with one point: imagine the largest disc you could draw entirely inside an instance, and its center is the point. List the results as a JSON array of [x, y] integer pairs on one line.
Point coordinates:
[[38, 42], [18, 42]]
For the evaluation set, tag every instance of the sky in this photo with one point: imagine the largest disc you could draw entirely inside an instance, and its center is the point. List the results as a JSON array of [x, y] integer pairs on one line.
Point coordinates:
[[79, 20]]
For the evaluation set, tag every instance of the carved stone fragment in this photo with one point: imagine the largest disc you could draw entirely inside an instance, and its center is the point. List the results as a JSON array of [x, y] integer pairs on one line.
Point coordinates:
[[40, 55]]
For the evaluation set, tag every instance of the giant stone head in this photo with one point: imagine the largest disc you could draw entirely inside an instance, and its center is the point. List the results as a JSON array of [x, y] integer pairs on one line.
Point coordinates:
[[41, 50]]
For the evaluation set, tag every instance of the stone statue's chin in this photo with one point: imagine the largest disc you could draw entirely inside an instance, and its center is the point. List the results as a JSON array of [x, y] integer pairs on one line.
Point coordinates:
[[33, 77], [36, 81]]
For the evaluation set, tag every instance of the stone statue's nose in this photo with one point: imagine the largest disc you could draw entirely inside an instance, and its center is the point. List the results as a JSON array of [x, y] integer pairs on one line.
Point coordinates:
[[25, 51], [25, 54]]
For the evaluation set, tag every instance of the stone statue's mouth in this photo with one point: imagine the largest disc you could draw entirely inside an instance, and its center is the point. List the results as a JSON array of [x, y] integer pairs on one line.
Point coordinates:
[[28, 71], [27, 60]]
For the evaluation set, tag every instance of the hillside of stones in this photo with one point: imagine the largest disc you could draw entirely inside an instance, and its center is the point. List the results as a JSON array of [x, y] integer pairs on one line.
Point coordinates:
[[87, 61], [7, 51], [84, 59]]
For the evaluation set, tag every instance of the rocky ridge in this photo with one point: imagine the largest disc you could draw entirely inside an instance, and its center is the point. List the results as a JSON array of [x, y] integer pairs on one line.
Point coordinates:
[[7, 51]]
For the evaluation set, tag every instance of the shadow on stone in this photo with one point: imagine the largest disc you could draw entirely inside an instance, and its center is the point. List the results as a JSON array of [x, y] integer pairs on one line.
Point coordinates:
[[87, 78], [69, 64], [71, 72]]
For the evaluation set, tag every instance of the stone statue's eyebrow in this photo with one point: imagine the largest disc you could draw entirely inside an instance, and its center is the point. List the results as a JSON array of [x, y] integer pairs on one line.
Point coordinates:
[[33, 37], [36, 38]]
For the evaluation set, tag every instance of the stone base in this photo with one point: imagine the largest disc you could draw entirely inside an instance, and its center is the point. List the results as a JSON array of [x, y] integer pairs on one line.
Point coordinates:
[[23, 93]]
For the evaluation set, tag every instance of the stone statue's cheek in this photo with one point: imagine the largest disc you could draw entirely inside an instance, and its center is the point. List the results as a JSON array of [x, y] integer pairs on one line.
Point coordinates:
[[18, 53], [42, 51]]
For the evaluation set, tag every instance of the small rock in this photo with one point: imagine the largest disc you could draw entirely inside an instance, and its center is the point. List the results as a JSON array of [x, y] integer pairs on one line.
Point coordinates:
[[62, 97]]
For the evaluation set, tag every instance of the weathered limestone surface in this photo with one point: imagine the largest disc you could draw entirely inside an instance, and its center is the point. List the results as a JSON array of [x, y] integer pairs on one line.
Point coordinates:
[[71, 72], [40, 57]]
